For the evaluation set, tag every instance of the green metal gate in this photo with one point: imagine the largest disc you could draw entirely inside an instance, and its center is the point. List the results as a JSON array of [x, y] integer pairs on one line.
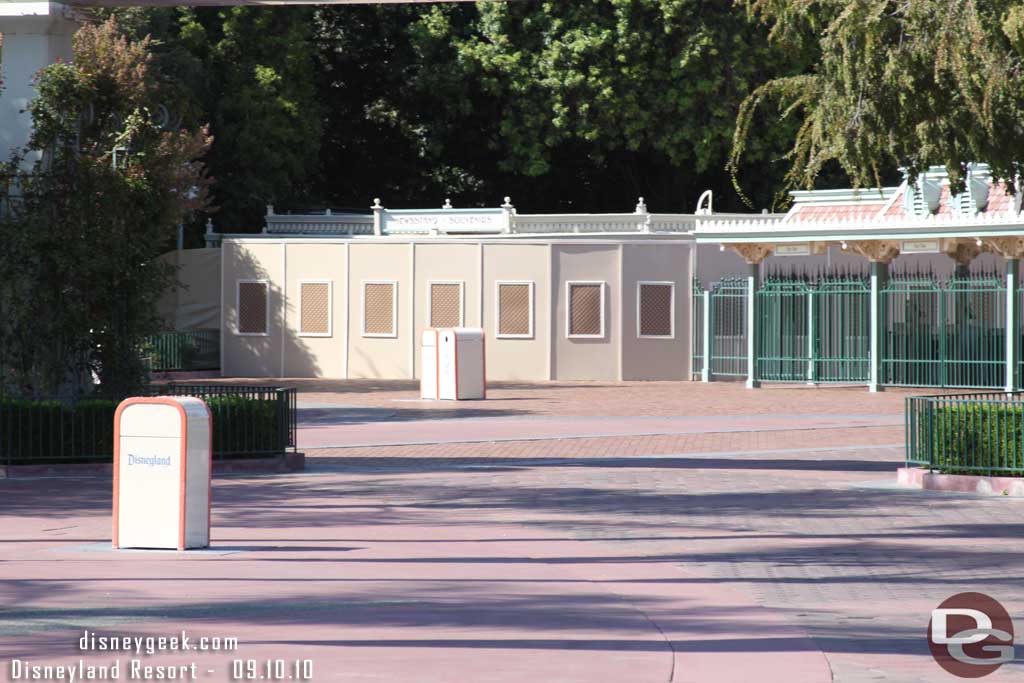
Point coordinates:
[[729, 328], [783, 319], [814, 332], [944, 336], [841, 327]]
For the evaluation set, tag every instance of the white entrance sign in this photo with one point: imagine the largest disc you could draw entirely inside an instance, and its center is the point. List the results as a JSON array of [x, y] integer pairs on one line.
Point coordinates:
[[920, 247], [445, 221], [162, 473], [453, 366], [792, 249]]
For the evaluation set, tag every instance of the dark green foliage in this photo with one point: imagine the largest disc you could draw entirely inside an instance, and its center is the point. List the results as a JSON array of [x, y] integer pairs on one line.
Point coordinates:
[[981, 438], [249, 73], [50, 431], [565, 106], [86, 210], [912, 84]]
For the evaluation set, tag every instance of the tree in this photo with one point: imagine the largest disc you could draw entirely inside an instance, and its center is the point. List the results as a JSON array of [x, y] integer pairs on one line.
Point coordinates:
[[250, 73], [82, 227], [908, 84], [645, 92]]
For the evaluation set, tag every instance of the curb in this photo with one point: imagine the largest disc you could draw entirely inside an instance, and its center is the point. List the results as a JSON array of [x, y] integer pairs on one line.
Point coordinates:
[[916, 477], [279, 464]]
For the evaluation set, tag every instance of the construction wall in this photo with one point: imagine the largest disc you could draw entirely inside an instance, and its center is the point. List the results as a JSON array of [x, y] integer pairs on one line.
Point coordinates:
[[357, 339], [195, 302]]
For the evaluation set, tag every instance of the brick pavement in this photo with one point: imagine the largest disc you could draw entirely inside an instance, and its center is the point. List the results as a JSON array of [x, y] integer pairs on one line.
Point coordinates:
[[706, 556]]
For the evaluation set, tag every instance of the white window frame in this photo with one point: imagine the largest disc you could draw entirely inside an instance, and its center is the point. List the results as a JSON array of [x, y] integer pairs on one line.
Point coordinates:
[[394, 308], [568, 309], [238, 308], [462, 299], [497, 309], [671, 306], [330, 308]]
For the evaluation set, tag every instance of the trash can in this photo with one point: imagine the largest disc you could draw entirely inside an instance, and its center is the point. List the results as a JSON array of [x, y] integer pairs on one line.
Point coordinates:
[[453, 364], [162, 471]]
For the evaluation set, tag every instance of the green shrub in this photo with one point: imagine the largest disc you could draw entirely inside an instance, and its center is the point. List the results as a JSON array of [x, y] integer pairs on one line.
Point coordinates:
[[978, 438], [55, 431]]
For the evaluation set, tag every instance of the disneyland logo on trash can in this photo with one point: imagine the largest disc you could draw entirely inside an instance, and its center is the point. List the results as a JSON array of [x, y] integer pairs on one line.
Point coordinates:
[[971, 635], [151, 460]]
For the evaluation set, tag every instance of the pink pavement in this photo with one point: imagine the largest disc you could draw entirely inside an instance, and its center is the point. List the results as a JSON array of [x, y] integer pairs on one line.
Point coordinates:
[[373, 592], [322, 428]]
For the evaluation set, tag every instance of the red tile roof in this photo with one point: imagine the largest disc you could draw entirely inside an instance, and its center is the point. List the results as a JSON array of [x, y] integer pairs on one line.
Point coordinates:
[[835, 212]]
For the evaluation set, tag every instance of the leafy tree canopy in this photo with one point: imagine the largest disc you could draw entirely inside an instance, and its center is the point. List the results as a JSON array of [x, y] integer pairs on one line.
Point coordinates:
[[644, 90], [908, 84], [84, 212]]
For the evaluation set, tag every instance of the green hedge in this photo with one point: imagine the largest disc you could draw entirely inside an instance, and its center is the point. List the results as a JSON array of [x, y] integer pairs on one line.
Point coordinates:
[[978, 438], [35, 431]]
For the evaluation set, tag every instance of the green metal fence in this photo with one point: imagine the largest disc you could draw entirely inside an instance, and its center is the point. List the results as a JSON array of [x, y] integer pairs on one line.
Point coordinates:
[[247, 421], [197, 349], [951, 335], [697, 332], [933, 334], [729, 328], [976, 433]]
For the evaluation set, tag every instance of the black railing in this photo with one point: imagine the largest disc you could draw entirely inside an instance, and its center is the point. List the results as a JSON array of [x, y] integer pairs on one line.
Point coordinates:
[[247, 422]]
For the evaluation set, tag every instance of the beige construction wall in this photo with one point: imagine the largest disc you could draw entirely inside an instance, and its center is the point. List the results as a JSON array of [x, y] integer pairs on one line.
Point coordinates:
[[656, 358], [378, 357], [251, 356], [195, 304], [587, 358], [446, 262], [315, 356], [547, 354], [518, 359]]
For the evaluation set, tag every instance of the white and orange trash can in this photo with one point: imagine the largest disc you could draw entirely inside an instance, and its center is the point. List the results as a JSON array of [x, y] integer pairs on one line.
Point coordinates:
[[162, 473], [453, 364]]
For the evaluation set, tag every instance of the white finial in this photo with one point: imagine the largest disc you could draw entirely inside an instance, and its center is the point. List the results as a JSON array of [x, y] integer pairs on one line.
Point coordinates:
[[701, 209], [376, 203], [507, 204], [270, 209], [209, 225], [640, 206], [447, 204]]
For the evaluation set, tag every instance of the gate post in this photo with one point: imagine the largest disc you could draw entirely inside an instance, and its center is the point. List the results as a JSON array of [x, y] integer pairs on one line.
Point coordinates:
[[879, 272], [705, 371], [810, 336], [753, 331], [880, 253], [1012, 278], [753, 254]]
